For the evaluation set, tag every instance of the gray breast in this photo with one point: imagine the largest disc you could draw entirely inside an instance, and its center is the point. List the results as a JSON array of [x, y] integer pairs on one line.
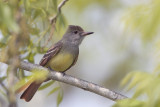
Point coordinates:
[[69, 48]]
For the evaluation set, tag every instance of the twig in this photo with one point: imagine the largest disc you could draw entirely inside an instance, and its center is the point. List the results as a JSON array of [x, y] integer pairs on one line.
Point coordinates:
[[4, 87], [54, 19], [59, 11], [88, 86], [6, 90]]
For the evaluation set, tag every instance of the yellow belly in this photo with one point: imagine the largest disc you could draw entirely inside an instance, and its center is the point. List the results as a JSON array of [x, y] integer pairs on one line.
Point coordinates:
[[61, 62]]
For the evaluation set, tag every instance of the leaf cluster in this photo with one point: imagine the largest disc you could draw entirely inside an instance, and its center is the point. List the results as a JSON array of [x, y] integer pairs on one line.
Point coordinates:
[[24, 29], [144, 18]]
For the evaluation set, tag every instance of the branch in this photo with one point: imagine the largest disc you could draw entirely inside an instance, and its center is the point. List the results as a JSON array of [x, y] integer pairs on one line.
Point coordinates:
[[59, 11], [54, 19], [88, 86]]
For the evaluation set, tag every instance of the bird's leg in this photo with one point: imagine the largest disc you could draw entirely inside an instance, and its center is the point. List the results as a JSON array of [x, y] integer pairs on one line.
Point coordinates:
[[50, 69], [63, 73]]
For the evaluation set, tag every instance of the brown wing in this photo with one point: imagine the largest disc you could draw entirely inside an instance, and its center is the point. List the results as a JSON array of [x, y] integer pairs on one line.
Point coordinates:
[[50, 53], [33, 87]]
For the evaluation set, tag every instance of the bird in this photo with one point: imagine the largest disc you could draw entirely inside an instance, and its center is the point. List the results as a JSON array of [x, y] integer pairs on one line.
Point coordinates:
[[60, 57]]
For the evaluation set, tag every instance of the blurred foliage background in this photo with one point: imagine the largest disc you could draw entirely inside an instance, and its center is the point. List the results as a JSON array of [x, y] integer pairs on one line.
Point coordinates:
[[125, 47]]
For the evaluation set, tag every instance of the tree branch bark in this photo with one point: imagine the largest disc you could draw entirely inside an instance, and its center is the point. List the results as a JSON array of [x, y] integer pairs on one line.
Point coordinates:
[[88, 86]]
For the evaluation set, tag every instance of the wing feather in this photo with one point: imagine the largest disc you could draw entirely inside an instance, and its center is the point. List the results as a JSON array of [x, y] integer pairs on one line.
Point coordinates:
[[51, 53]]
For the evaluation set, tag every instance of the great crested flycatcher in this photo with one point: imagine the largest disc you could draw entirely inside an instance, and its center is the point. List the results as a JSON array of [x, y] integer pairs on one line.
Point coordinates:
[[60, 57]]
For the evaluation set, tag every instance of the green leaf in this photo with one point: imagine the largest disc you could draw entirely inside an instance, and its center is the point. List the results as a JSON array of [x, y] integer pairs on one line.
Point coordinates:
[[59, 98], [146, 84], [3, 93], [126, 79], [52, 91], [54, 5], [31, 57], [23, 83], [36, 13], [20, 73], [34, 31], [4, 40], [46, 85], [3, 78], [61, 20], [41, 50], [144, 18], [129, 103], [2, 45]]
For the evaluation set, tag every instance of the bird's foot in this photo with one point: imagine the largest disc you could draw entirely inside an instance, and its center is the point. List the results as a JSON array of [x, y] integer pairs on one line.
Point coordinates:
[[50, 69], [63, 73]]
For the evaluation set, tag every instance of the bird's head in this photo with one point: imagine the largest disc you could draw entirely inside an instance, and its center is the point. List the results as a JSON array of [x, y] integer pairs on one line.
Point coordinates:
[[75, 34]]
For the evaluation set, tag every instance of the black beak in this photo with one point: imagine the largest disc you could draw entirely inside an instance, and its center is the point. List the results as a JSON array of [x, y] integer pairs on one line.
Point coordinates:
[[86, 33]]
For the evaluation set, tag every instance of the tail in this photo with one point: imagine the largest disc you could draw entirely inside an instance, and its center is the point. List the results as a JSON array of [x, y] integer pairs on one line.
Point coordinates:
[[30, 91]]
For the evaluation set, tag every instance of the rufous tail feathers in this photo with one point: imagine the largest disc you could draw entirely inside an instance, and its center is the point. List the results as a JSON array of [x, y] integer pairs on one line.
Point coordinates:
[[30, 91]]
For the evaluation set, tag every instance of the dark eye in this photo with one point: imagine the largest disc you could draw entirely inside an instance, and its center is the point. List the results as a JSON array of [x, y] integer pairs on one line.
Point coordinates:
[[75, 32]]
